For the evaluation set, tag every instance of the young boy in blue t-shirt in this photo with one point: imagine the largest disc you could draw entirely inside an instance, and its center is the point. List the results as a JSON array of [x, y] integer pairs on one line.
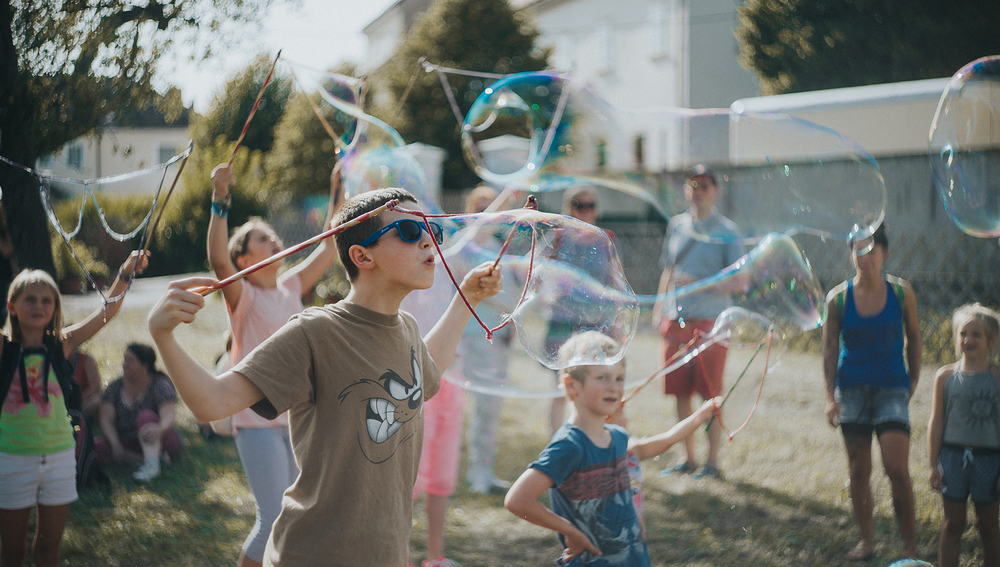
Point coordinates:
[[585, 467]]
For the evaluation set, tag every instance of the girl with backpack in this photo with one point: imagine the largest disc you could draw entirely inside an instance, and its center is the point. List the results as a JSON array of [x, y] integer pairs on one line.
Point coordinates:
[[37, 389]]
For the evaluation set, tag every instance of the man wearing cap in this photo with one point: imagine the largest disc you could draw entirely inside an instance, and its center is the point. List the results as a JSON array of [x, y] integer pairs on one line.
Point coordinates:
[[699, 243]]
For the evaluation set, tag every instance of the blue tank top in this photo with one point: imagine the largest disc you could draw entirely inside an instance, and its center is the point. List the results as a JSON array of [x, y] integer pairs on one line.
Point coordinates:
[[871, 348]]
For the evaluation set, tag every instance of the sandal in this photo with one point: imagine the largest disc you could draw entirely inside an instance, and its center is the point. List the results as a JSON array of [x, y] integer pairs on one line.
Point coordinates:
[[683, 467], [860, 553]]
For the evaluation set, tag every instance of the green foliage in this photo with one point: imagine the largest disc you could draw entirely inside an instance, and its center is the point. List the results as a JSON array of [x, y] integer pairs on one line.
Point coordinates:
[[802, 45], [304, 153], [473, 35], [66, 65], [67, 267], [232, 106], [179, 244]]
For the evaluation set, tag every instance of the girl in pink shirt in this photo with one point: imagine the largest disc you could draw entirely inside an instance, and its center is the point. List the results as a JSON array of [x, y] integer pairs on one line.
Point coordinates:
[[258, 306]]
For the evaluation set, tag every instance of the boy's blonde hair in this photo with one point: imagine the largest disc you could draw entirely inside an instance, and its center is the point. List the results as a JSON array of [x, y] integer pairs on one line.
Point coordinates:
[[20, 284], [584, 351], [480, 192], [975, 312], [241, 236]]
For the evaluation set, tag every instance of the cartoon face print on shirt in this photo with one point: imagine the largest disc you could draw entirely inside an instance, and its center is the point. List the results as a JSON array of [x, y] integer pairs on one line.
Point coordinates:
[[389, 403]]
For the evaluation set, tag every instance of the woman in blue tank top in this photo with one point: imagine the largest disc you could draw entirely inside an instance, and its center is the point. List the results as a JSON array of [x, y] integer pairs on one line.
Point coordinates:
[[871, 326]]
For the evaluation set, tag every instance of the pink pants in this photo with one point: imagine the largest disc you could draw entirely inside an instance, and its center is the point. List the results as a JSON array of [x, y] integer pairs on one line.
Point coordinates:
[[443, 415], [171, 440]]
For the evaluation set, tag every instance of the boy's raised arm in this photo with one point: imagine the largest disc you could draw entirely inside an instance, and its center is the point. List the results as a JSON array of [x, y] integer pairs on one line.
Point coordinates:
[[208, 397], [481, 282], [653, 446], [522, 501]]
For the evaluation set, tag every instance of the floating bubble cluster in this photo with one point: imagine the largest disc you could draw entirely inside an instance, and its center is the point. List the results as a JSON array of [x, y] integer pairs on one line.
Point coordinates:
[[561, 277], [546, 132], [373, 154], [965, 148], [774, 279]]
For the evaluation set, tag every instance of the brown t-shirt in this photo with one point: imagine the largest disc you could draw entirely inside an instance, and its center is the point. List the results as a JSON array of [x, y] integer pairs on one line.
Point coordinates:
[[353, 382]]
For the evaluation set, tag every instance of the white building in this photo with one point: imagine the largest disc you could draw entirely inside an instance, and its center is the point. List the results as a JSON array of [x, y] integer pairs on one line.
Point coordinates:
[[114, 149], [635, 54]]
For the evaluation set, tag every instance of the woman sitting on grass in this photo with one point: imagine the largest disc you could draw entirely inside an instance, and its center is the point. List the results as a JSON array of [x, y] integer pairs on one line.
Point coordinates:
[[137, 416]]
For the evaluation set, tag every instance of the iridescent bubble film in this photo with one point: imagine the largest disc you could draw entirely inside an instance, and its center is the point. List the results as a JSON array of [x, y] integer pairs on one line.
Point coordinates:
[[965, 148], [373, 154], [561, 277], [545, 132], [774, 279]]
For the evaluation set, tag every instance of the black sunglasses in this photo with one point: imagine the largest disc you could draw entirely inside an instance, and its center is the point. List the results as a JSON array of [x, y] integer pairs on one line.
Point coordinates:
[[583, 205], [409, 230]]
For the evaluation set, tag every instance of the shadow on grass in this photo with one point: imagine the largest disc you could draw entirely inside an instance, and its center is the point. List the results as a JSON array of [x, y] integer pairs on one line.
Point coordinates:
[[196, 513]]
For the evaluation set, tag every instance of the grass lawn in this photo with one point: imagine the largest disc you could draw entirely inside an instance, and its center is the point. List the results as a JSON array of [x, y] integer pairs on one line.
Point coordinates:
[[784, 500]]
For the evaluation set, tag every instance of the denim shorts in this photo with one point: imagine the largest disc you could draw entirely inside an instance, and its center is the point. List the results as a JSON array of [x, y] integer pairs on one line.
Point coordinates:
[[864, 409], [969, 472]]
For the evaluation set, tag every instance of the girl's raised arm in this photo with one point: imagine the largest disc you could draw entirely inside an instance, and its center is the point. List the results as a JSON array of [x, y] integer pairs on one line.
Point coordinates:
[[76, 335]]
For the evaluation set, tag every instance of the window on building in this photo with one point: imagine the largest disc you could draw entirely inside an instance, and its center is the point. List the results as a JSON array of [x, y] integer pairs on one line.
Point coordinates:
[[604, 41], [638, 152], [658, 30], [167, 152], [74, 155]]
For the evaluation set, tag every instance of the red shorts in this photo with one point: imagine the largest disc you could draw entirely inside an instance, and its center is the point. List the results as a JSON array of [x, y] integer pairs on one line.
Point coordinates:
[[703, 374]]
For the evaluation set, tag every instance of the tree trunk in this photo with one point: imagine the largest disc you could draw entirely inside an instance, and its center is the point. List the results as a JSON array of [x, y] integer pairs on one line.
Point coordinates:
[[26, 220]]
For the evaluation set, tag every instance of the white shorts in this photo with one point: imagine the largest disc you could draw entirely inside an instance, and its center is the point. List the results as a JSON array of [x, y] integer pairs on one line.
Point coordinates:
[[26, 480]]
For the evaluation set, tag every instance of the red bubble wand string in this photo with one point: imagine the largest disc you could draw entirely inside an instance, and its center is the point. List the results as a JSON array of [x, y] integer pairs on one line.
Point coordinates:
[[292, 250]]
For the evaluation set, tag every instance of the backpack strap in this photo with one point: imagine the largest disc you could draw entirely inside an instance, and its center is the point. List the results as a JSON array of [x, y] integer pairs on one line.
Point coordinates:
[[72, 391], [897, 286], [8, 365]]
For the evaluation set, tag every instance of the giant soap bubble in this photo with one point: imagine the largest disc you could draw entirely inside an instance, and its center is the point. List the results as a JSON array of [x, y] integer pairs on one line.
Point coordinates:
[[965, 147], [545, 132], [774, 279], [561, 277], [373, 154]]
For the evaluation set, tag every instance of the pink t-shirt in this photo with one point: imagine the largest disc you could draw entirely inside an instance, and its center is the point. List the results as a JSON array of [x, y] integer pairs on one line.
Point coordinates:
[[259, 313]]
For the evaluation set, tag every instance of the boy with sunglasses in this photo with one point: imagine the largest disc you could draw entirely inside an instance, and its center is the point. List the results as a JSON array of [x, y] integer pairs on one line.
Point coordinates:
[[353, 377]]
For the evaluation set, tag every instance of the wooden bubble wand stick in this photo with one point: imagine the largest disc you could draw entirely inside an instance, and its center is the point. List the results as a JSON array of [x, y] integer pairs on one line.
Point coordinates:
[[305, 244], [253, 110]]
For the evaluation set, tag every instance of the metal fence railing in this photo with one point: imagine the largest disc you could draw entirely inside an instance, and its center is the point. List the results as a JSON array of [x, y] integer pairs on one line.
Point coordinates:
[[946, 268]]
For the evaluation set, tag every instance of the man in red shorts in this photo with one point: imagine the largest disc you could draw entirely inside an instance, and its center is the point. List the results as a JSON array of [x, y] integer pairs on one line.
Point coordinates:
[[687, 259]]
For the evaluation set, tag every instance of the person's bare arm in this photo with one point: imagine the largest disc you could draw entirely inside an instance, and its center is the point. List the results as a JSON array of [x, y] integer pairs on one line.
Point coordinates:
[[935, 426], [319, 261], [208, 397], [522, 501], [481, 282], [108, 431], [661, 289], [76, 335], [831, 356], [218, 236], [648, 447], [914, 344]]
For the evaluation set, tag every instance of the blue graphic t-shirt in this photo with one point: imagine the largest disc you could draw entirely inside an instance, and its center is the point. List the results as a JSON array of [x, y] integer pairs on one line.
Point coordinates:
[[592, 491]]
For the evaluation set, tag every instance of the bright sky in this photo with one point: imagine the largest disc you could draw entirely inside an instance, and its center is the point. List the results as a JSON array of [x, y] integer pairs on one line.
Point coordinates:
[[319, 34]]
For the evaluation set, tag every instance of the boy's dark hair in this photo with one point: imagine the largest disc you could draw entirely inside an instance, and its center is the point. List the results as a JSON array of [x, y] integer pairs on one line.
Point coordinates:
[[355, 207], [879, 238], [144, 354]]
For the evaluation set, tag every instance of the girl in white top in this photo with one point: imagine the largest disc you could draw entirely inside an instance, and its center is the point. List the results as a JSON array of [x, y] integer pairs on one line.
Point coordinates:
[[259, 305], [964, 435]]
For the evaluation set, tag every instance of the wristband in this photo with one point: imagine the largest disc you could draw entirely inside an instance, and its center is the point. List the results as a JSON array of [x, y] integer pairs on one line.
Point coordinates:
[[220, 207]]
